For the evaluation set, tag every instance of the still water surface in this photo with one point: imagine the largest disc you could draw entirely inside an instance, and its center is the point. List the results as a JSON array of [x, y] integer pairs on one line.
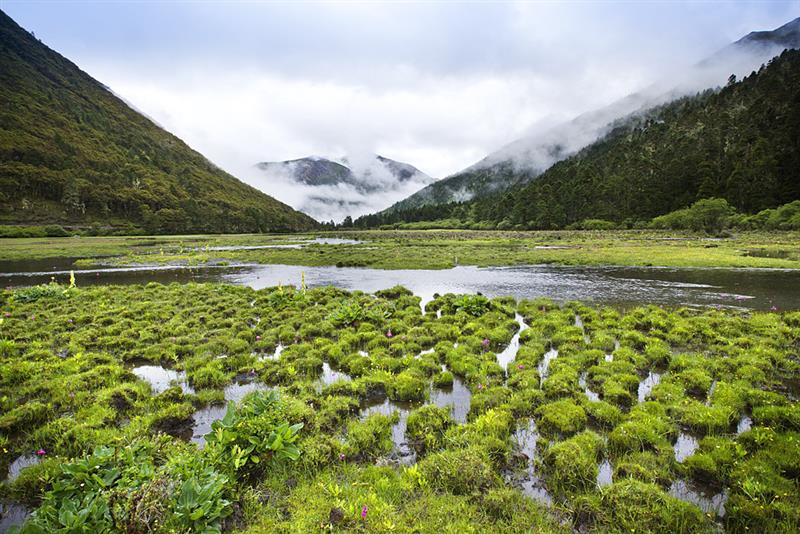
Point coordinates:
[[620, 286]]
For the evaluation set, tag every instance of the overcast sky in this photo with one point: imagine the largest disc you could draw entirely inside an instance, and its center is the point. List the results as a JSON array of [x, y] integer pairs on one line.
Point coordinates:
[[436, 85]]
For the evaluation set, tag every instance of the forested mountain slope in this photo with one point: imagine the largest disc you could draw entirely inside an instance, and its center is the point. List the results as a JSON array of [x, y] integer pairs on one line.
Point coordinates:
[[71, 152], [523, 160], [741, 143]]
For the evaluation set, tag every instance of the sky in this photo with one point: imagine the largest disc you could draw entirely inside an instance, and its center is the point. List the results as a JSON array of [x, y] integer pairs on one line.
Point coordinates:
[[438, 85]]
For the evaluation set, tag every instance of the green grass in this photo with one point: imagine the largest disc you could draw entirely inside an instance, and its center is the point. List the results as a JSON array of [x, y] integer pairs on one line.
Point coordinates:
[[433, 249], [304, 456]]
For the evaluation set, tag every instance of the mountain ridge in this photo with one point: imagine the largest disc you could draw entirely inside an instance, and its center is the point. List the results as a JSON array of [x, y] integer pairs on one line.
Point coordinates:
[[510, 166], [73, 153]]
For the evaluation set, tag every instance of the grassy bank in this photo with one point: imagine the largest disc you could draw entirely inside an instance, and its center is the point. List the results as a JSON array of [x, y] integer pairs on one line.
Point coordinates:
[[611, 416], [432, 249]]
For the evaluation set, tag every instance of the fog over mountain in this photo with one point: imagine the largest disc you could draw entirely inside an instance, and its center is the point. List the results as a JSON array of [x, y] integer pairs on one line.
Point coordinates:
[[353, 185], [545, 144]]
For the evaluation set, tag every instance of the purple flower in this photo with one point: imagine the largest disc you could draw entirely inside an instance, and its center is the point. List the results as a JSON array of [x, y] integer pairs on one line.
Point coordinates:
[[480, 386], [774, 308], [341, 457], [7, 314], [485, 342], [41, 452], [520, 366], [258, 338], [388, 334], [32, 317], [364, 512]]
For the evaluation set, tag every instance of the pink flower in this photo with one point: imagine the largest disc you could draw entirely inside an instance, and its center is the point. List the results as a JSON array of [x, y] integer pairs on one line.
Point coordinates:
[[7, 314], [774, 308], [32, 317], [341, 457], [389, 333], [41, 452], [364, 512], [258, 338], [480, 386], [520, 366]]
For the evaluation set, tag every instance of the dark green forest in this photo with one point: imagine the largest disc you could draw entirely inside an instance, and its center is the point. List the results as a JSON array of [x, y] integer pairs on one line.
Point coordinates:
[[73, 153], [740, 143]]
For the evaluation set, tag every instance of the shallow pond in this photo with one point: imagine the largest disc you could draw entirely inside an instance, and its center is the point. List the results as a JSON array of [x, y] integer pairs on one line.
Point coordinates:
[[685, 446], [402, 451], [620, 286], [12, 515], [709, 501], [161, 379], [525, 438], [510, 352]]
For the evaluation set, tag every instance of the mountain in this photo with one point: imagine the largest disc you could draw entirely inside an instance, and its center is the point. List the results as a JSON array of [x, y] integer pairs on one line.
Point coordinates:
[[353, 185], [740, 143], [71, 152], [525, 159]]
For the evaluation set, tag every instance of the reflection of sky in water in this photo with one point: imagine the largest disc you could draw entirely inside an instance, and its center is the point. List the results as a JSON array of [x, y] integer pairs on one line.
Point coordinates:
[[625, 286]]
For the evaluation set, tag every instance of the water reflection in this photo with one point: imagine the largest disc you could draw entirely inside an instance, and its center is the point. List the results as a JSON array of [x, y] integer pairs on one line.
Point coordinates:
[[12, 515], [458, 398], [605, 475], [709, 501], [402, 452], [646, 386], [525, 438], [161, 379], [622, 286], [685, 446], [20, 463], [510, 352]]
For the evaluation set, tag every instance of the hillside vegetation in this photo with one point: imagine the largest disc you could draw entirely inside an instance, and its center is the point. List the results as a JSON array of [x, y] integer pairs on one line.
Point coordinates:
[[73, 153], [741, 144]]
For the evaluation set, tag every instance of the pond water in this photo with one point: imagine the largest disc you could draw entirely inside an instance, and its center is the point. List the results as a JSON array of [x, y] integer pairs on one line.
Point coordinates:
[[685, 446], [745, 423], [708, 500], [12, 515], [458, 398], [605, 475], [646, 386], [161, 379], [402, 452], [510, 352], [525, 438], [20, 463], [619, 286]]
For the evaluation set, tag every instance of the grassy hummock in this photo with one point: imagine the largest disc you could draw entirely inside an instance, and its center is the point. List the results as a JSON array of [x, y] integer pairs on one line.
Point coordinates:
[[211, 407]]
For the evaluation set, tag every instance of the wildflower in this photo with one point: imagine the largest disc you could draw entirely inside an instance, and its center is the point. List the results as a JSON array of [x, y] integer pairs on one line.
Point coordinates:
[[389, 333], [32, 318], [480, 386], [41, 452], [364, 512], [341, 457], [520, 366], [7, 314], [258, 338], [774, 308]]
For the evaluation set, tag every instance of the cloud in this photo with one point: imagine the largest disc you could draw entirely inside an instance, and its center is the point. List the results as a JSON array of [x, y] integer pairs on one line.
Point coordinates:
[[437, 85]]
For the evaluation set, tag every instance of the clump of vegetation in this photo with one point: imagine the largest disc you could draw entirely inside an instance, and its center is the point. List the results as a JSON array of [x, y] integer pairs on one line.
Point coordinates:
[[331, 425]]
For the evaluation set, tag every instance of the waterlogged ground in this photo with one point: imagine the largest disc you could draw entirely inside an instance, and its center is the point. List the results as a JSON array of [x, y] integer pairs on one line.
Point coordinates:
[[422, 249], [366, 412]]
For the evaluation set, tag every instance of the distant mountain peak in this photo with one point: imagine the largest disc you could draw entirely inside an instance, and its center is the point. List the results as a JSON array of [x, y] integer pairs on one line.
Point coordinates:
[[348, 185]]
